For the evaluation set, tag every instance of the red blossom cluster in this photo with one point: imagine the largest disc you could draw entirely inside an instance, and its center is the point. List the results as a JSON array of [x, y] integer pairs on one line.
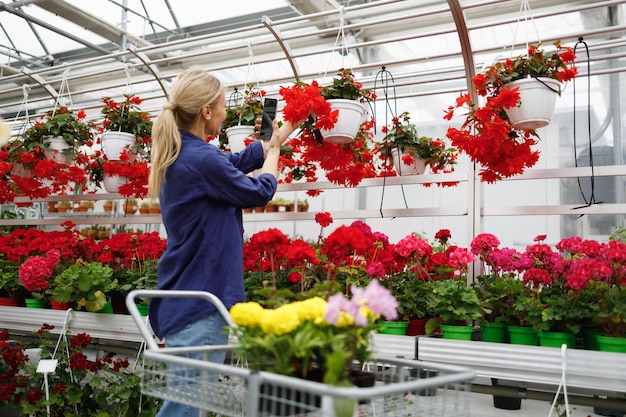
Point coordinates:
[[575, 263], [348, 247], [35, 271], [487, 136], [78, 384]]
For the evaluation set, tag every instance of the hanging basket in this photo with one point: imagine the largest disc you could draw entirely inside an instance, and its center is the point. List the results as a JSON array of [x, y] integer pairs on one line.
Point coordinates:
[[537, 102], [112, 182], [351, 115], [114, 143], [237, 135], [57, 145], [418, 167]]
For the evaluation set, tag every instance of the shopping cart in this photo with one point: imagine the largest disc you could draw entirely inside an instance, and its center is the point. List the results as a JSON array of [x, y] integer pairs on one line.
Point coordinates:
[[403, 387]]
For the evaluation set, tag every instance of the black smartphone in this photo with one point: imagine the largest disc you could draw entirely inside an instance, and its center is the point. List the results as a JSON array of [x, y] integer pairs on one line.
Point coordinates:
[[269, 114]]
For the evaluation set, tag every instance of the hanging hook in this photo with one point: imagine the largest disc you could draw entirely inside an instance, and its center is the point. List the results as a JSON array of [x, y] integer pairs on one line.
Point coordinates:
[[385, 76], [64, 86], [388, 83], [340, 41], [128, 79], [592, 198], [525, 10]]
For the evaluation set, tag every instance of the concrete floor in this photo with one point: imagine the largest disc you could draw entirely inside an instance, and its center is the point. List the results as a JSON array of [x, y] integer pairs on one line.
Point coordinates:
[[481, 405]]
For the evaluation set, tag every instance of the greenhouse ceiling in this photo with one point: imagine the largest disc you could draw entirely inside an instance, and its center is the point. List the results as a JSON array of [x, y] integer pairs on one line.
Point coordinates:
[[431, 46]]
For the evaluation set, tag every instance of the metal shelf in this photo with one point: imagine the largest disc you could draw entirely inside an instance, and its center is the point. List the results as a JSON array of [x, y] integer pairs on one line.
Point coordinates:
[[118, 327]]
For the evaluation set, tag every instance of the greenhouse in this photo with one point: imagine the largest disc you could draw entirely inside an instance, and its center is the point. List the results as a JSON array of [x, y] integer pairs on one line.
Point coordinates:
[[462, 157]]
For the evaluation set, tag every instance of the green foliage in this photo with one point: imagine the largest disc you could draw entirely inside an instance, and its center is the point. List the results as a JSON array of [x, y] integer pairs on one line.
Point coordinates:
[[412, 294], [346, 87], [555, 308], [454, 302], [497, 295], [611, 315], [60, 123], [403, 135], [86, 283], [618, 234], [79, 386], [10, 283], [126, 116]]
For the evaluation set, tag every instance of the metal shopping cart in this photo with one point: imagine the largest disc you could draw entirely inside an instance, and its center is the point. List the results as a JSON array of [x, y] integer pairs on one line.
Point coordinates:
[[403, 387]]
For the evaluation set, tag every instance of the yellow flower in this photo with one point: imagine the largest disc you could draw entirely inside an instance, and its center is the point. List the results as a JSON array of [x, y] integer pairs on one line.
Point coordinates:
[[280, 321], [345, 320], [247, 314], [312, 309]]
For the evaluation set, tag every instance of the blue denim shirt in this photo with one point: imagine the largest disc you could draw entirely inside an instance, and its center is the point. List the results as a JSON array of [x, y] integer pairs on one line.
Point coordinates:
[[201, 200]]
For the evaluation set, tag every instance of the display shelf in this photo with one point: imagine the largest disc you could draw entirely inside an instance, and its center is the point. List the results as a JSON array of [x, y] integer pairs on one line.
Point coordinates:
[[602, 371], [117, 327]]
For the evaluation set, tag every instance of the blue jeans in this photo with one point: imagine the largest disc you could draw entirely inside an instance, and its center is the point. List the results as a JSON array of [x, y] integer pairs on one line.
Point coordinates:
[[209, 330]]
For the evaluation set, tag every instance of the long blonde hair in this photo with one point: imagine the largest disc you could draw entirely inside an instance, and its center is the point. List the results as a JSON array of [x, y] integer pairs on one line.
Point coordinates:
[[193, 89]]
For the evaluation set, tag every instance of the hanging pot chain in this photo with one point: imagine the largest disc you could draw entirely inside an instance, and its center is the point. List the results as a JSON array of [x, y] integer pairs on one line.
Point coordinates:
[[592, 198]]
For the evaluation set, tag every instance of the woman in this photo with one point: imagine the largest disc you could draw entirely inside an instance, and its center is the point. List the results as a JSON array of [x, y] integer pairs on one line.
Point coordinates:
[[202, 190]]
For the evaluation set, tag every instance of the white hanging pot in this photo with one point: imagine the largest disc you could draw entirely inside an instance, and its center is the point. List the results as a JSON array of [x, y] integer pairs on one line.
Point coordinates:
[[114, 143], [237, 135], [418, 167], [537, 102], [112, 182], [20, 170], [57, 145], [351, 115]]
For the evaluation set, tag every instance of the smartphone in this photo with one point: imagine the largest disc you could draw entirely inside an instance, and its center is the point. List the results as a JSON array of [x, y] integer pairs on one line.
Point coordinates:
[[269, 114]]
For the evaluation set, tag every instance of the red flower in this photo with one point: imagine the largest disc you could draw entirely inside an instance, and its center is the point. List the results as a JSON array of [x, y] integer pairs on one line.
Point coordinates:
[[323, 218], [487, 135]]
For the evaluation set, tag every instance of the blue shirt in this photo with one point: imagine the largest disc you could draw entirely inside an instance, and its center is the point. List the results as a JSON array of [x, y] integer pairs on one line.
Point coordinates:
[[201, 200]]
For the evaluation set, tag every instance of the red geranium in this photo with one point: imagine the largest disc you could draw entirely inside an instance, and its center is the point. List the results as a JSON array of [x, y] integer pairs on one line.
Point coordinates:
[[487, 135]]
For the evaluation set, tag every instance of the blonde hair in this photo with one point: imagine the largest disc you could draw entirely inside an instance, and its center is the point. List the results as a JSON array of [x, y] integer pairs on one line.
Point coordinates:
[[193, 89]]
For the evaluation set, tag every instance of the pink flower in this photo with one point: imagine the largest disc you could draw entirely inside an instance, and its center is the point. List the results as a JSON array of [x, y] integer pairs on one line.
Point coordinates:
[[34, 273], [376, 269], [377, 298], [484, 242], [459, 259]]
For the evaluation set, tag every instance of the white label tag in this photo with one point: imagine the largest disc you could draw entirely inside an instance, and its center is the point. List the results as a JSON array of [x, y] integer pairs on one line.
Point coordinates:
[[47, 366]]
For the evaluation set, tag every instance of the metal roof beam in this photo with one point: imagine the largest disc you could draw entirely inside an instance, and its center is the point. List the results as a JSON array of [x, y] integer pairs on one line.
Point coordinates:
[[90, 22], [28, 18]]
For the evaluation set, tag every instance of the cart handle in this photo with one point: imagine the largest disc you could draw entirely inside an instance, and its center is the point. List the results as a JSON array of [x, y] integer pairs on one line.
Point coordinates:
[[141, 321]]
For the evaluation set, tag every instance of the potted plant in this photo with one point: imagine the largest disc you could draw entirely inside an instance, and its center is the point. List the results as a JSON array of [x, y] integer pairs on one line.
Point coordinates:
[[410, 152], [86, 284], [125, 129], [64, 206], [310, 151], [35, 274], [59, 134], [141, 277], [322, 338], [488, 135], [144, 207], [81, 384], [130, 205], [155, 206], [610, 319], [109, 205], [346, 96], [456, 306], [48, 159], [104, 232], [11, 289], [303, 205], [241, 119]]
